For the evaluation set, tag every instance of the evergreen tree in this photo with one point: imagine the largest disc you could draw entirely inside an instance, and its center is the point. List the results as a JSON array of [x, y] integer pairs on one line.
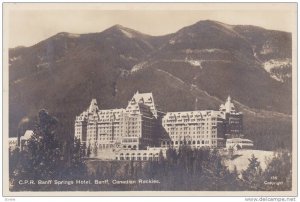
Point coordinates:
[[77, 167], [88, 152], [95, 150], [279, 169], [42, 156], [14, 164], [43, 149], [252, 175]]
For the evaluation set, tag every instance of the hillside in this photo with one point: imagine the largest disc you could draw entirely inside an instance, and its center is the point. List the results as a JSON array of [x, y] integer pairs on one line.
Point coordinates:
[[207, 60], [241, 161]]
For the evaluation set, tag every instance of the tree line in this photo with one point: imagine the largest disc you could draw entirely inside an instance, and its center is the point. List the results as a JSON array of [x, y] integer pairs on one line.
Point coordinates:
[[185, 169]]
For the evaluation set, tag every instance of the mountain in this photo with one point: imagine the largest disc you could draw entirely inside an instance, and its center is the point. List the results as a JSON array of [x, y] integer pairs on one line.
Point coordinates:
[[222, 61], [273, 49], [207, 61]]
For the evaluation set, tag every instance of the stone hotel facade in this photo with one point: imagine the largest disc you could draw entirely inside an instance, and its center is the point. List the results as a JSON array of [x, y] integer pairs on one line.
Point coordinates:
[[205, 128], [194, 128], [136, 127], [140, 126]]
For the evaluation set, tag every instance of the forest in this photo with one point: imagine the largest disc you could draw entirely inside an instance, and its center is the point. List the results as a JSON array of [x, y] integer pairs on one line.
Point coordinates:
[[46, 157]]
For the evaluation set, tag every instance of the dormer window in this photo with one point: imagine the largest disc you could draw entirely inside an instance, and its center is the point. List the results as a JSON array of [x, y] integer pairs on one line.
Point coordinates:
[[141, 100]]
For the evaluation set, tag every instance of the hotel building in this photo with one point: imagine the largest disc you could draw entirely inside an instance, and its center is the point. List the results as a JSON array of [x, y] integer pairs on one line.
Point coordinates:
[[135, 127], [194, 128], [205, 128], [140, 126]]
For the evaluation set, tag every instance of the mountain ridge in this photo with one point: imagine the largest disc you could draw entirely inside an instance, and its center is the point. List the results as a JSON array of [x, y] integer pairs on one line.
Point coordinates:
[[64, 72]]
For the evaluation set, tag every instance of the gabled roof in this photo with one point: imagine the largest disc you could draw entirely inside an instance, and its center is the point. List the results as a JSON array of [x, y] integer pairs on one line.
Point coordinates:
[[141, 103], [142, 98]]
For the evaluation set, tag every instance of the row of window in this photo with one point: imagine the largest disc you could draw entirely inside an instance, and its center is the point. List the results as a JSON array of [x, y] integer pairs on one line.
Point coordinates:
[[184, 120], [134, 147], [133, 158], [235, 131], [194, 136], [130, 140], [130, 133], [165, 143], [186, 128], [102, 146], [202, 132], [139, 154], [174, 119], [105, 127]]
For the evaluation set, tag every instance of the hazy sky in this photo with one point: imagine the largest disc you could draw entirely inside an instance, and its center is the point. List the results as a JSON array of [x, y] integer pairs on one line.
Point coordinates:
[[29, 25]]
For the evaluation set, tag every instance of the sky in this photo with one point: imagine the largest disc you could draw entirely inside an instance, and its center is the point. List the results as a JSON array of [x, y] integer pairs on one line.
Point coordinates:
[[30, 24]]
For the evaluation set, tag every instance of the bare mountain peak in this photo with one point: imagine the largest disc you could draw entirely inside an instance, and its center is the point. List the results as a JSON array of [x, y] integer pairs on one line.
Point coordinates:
[[209, 25], [125, 31], [118, 26], [67, 34], [221, 25], [212, 22]]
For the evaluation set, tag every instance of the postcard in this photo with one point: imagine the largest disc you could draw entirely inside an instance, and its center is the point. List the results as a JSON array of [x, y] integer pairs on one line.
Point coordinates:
[[150, 99]]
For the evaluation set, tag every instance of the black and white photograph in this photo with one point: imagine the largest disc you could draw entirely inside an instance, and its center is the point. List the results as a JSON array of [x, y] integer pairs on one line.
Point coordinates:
[[189, 99]]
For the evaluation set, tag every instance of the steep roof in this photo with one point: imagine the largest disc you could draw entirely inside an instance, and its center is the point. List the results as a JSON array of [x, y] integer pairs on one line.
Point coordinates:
[[27, 135], [142, 98], [93, 108], [228, 107]]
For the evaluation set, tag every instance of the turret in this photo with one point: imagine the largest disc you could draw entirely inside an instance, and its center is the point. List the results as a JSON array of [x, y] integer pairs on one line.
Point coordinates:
[[233, 119], [228, 107], [93, 108]]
